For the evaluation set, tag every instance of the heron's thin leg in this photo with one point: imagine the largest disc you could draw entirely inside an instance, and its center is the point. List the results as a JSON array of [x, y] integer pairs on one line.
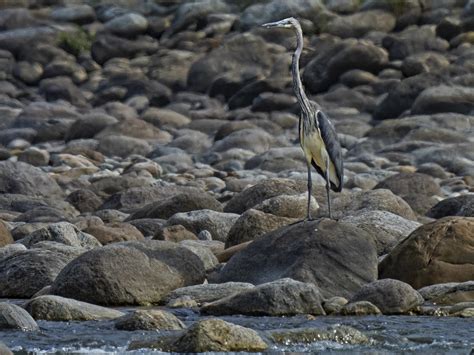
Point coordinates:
[[309, 191], [328, 186]]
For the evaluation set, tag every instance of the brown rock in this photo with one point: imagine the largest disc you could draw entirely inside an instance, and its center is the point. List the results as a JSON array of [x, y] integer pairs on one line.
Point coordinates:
[[5, 235], [114, 232], [174, 233], [438, 252]]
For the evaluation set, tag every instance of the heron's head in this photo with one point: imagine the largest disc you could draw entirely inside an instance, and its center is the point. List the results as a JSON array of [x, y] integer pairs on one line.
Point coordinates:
[[289, 22]]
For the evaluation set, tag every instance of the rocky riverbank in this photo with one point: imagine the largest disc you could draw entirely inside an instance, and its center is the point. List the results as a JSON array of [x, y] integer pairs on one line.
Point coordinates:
[[149, 156]]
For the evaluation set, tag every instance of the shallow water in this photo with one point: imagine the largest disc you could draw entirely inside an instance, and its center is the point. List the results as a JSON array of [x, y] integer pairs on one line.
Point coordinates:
[[390, 334]]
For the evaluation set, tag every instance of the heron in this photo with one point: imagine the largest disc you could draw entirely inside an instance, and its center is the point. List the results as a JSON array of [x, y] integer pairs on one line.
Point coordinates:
[[318, 138]]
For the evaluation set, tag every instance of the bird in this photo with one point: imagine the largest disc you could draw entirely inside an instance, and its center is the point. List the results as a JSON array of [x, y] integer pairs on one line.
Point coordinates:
[[318, 138]]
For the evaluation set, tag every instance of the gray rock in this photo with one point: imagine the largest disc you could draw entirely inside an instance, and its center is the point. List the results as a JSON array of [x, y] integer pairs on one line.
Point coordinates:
[[448, 293], [29, 73], [390, 296], [62, 88], [22, 178], [424, 62], [361, 23], [255, 140], [252, 225], [123, 146], [149, 319], [454, 206], [79, 14], [360, 308], [128, 25], [56, 308], [324, 252], [388, 228], [208, 259], [243, 53], [278, 298], [10, 249], [62, 232], [218, 335], [327, 66], [342, 334], [15, 317], [291, 206], [84, 200], [209, 292], [277, 159], [183, 202], [444, 98], [89, 125], [24, 273], [154, 268]]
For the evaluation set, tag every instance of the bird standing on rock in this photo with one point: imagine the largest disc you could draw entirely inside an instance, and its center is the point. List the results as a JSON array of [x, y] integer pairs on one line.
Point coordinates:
[[318, 139]]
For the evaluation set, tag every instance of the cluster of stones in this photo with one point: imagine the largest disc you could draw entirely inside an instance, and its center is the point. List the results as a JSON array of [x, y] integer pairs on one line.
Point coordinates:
[[149, 155]]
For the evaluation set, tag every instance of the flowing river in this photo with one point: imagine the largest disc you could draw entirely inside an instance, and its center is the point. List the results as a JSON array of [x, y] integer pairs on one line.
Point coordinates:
[[389, 334]]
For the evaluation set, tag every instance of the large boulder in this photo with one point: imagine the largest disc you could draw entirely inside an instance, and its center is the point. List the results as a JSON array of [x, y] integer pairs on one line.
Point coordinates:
[[149, 319], [336, 256], [437, 252], [22, 178], [240, 54], [327, 66], [56, 308], [24, 273], [390, 296], [15, 317], [129, 273], [444, 98], [278, 298], [449, 293]]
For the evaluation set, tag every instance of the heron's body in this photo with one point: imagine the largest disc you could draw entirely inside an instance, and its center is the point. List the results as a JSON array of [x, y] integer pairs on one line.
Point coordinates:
[[318, 138]]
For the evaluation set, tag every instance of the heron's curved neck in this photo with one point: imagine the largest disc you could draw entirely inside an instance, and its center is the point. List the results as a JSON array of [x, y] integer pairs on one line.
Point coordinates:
[[295, 71]]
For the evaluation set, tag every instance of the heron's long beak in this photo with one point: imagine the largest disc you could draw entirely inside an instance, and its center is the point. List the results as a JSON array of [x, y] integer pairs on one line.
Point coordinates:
[[271, 24]]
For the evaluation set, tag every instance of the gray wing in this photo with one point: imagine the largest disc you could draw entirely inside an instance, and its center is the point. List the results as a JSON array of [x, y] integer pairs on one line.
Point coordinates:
[[329, 136]]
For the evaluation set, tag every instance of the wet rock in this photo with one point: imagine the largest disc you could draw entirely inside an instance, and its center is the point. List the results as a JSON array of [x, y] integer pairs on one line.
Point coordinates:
[[360, 308], [149, 319], [291, 252], [454, 206], [15, 317], [413, 40], [179, 203], [434, 253], [209, 292], [218, 335], [80, 14], [64, 233], [154, 268], [361, 23], [114, 232], [448, 293], [217, 223], [243, 54], [342, 334], [5, 235], [334, 304], [252, 225], [56, 308], [326, 67], [390, 296], [277, 298], [128, 25], [84, 200], [444, 98], [22, 178], [26, 272], [388, 228]]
